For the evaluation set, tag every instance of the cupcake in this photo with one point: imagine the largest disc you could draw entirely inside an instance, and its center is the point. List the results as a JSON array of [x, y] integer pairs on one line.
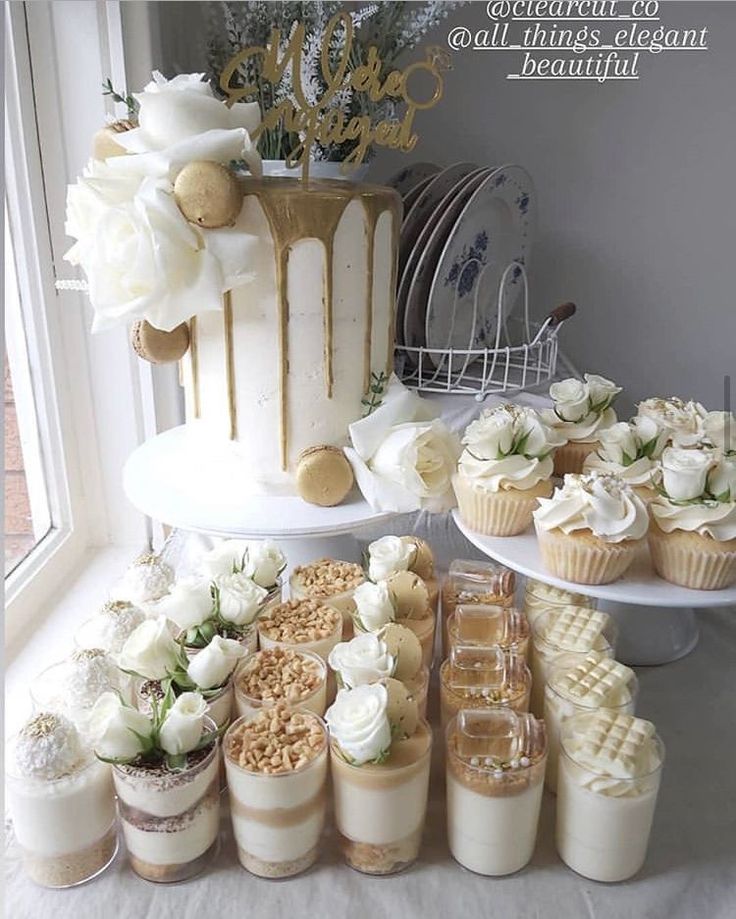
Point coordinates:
[[581, 411], [631, 450], [590, 529], [684, 422], [505, 467], [692, 539]]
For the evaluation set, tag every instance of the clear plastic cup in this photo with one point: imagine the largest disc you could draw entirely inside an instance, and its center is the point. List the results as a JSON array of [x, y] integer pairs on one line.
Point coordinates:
[[470, 581], [559, 705], [338, 597], [479, 677], [247, 703], [604, 821], [544, 653], [489, 626], [277, 818], [495, 777], [540, 597]]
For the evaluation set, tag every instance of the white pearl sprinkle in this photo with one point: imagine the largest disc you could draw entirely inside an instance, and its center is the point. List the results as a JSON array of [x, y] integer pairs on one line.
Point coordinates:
[[474, 761], [524, 761]]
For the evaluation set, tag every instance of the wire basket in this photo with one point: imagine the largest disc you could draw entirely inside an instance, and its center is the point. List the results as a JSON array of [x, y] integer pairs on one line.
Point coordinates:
[[525, 353]]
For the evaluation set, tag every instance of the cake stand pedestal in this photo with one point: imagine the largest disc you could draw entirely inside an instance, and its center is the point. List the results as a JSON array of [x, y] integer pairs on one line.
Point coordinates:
[[182, 479], [656, 620]]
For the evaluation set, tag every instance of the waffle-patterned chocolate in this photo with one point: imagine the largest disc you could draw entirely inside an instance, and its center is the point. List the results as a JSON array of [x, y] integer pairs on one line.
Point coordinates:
[[594, 681], [576, 628]]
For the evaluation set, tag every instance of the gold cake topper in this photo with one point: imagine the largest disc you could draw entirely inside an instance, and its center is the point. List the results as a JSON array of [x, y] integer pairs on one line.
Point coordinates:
[[320, 122]]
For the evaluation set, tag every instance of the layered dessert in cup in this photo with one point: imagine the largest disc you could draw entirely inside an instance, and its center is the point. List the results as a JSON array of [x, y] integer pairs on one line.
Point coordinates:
[[540, 597], [281, 675], [380, 756], [574, 631], [260, 560], [331, 582], [72, 686], [304, 625], [61, 802], [495, 778], [609, 772], [393, 651], [392, 554], [469, 581], [480, 677], [276, 762], [576, 686], [489, 626]]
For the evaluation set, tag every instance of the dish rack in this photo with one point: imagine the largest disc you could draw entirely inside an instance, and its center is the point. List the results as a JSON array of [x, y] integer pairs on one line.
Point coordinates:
[[525, 353]]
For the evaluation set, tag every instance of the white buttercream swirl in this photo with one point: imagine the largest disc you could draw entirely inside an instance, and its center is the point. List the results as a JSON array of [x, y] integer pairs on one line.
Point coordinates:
[[716, 519], [510, 472], [641, 472], [603, 504], [584, 430]]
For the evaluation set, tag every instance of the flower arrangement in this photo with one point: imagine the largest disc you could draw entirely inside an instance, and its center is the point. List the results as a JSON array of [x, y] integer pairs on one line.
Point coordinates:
[[392, 28]]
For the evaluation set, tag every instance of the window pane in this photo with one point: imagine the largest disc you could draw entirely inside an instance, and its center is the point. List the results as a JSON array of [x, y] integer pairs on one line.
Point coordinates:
[[27, 518]]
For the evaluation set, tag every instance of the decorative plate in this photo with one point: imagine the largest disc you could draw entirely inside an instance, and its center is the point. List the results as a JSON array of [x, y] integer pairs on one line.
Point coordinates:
[[410, 176], [493, 230]]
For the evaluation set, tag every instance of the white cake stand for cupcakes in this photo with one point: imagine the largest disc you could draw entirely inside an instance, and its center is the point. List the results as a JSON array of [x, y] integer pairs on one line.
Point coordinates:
[[183, 479], [656, 620]]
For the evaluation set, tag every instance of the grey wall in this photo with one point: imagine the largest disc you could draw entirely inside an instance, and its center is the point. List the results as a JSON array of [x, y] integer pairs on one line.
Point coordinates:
[[636, 185]]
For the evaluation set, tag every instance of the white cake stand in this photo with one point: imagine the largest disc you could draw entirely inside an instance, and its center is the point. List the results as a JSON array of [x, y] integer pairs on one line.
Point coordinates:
[[656, 619], [183, 479]]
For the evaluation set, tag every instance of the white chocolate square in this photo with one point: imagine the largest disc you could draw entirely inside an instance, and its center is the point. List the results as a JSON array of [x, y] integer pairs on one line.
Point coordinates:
[[576, 628], [594, 681], [614, 744]]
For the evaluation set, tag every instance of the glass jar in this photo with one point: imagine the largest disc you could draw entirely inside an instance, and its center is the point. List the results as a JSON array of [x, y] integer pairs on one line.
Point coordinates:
[[479, 678]]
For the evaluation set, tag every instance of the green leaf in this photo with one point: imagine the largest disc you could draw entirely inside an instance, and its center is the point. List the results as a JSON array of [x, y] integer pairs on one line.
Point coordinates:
[[145, 740], [116, 760], [176, 762], [626, 460]]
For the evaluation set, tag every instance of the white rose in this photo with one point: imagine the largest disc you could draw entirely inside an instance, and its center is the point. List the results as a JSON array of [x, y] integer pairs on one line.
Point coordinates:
[[720, 429], [602, 392], [240, 598], [651, 434], [359, 724], [212, 666], [491, 436], [571, 399], [685, 472], [373, 605], [388, 555], [364, 659], [227, 557], [264, 562], [189, 603], [683, 421], [722, 479], [420, 458], [619, 444], [182, 727], [113, 727], [150, 650]]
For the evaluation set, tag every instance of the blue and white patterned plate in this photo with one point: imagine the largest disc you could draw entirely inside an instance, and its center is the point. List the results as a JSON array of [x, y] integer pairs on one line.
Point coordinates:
[[494, 229], [408, 177]]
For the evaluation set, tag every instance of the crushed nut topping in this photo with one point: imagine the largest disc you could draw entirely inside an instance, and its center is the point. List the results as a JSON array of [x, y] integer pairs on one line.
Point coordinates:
[[297, 621], [327, 577], [276, 740], [280, 674]]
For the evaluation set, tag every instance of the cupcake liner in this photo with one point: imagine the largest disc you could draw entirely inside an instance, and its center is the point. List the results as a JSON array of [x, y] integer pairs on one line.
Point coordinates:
[[500, 513], [692, 560], [584, 558], [571, 456]]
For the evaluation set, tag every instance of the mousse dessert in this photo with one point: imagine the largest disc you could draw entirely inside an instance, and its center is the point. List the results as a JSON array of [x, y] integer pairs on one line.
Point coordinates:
[[540, 597], [61, 802], [276, 762], [110, 628], [167, 779], [393, 651], [471, 581], [331, 582], [585, 685], [147, 579], [489, 626], [380, 756], [72, 686], [391, 554], [281, 675], [609, 773], [495, 778], [480, 677], [305, 625], [260, 560], [570, 630]]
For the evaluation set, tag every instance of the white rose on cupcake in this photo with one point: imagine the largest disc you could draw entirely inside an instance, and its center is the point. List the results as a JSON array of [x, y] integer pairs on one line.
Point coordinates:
[[571, 398], [721, 482], [719, 429], [630, 450], [388, 555], [151, 650], [188, 603], [685, 472], [582, 407], [683, 421], [374, 607], [359, 724], [182, 726], [238, 599], [214, 664], [362, 660]]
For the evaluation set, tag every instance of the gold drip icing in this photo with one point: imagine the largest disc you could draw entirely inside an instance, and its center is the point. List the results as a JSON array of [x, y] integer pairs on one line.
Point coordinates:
[[194, 361], [296, 211], [230, 365]]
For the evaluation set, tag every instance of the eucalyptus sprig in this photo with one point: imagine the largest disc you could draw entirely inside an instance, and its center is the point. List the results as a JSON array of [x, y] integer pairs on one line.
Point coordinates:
[[374, 397], [123, 98]]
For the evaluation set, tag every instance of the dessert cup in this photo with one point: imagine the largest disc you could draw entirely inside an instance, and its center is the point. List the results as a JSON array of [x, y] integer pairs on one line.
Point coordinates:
[[540, 597], [380, 809], [171, 820], [584, 558], [495, 777], [470, 581], [506, 512], [62, 688], [219, 705], [419, 688], [489, 626], [277, 816], [305, 671], [571, 456], [65, 827], [304, 625], [604, 821], [691, 559], [331, 582], [483, 678], [590, 630], [617, 690]]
